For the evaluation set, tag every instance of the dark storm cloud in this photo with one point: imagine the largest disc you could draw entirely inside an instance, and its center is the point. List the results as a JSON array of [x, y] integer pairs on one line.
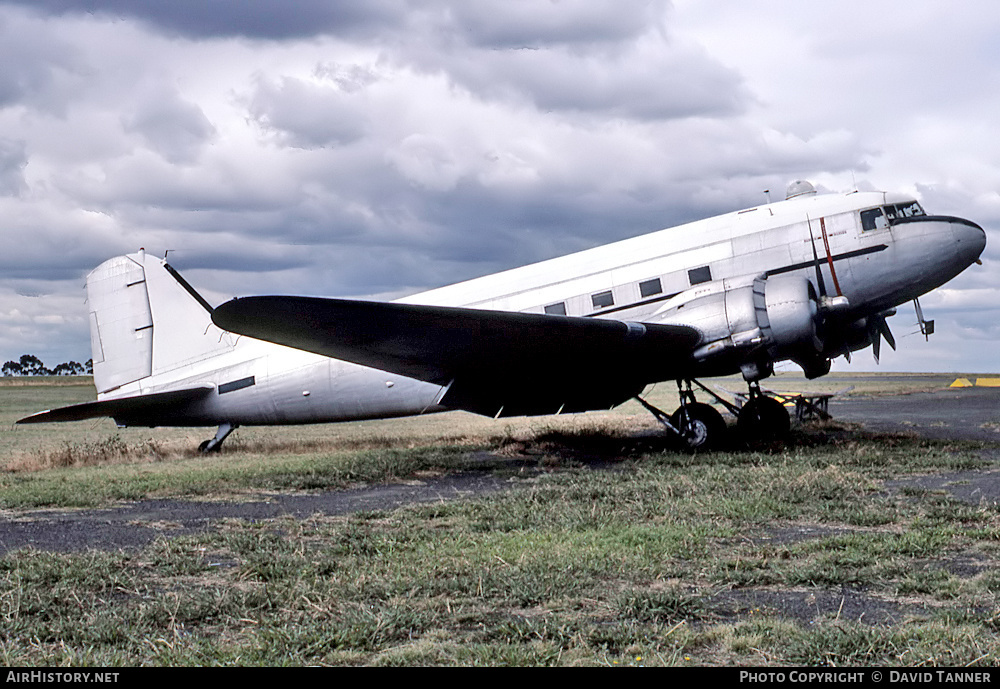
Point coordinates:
[[661, 83], [527, 23], [13, 160], [489, 23], [595, 56], [172, 127], [263, 19], [49, 267], [306, 115], [34, 72]]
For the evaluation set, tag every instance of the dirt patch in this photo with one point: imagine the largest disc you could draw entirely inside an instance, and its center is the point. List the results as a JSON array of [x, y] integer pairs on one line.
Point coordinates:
[[809, 606]]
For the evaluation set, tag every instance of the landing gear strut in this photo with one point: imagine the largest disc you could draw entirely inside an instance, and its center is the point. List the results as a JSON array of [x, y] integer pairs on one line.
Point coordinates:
[[215, 444], [698, 425], [762, 418]]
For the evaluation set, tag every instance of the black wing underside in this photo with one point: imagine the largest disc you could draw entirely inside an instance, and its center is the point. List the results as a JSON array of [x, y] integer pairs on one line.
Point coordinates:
[[492, 362]]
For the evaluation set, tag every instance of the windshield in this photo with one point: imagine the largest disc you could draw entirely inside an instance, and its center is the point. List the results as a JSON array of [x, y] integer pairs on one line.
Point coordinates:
[[910, 209], [878, 218]]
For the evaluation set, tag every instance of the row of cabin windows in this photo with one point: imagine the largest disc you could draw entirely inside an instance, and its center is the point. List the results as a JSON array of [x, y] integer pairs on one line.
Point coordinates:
[[871, 219], [647, 288]]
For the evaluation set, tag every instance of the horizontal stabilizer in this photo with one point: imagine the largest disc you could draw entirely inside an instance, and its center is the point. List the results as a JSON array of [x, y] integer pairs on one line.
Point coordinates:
[[493, 362], [125, 409]]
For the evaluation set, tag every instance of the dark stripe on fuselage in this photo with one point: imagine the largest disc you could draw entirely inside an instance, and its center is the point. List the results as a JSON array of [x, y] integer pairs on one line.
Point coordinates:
[[644, 302], [839, 257], [934, 218]]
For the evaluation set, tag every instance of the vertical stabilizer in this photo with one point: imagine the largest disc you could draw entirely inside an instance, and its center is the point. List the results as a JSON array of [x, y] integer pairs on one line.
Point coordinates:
[[121, 323], [146, 321]]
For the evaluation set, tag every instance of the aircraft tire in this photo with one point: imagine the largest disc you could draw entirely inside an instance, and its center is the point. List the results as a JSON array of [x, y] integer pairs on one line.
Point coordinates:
[[706, 428], [763, 419]]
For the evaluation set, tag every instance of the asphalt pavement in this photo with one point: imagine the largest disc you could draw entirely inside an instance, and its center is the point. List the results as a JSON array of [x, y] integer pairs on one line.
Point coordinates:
[[952, 413]]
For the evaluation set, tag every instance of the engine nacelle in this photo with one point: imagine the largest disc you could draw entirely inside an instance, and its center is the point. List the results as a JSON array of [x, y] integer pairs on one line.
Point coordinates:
[[792, 310], [750, 323]]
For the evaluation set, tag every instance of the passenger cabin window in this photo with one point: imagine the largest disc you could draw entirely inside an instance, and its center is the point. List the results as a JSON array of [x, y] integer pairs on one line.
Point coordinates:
[[556, 309], [650, 287], [873, 219], [700, 275], [602, 300]]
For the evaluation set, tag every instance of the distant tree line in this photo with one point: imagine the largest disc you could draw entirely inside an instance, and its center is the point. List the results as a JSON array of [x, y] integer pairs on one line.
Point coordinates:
[[30, 365]]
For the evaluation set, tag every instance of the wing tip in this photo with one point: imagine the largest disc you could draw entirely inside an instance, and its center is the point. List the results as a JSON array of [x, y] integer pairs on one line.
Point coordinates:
[[119, 407], [37, 417]]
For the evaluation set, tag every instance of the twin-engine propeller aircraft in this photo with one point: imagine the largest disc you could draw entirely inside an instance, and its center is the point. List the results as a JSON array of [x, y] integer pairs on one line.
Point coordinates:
[[806, 279]]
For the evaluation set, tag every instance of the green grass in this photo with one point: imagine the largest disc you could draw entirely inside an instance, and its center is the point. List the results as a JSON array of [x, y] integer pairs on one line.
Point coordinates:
[[608, 549]]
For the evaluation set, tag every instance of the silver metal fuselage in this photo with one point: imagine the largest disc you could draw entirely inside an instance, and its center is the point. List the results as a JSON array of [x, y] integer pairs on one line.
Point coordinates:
[[821, 238]]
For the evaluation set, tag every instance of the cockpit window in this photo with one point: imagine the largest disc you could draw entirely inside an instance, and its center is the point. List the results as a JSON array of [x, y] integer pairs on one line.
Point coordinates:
[[878, 218], [898, 211], [873, 219]]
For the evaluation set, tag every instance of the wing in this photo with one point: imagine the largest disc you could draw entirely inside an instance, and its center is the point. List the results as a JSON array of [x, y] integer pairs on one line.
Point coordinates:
[[133, 411], [492, 362]]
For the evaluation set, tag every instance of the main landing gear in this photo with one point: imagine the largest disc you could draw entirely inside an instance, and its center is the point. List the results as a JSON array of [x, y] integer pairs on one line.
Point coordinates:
[[698, 425], [762, 418], [701, 427], [215, 444]]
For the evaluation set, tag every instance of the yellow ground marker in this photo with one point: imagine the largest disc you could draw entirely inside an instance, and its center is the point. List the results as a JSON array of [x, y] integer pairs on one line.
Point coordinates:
[[988, 382], [961, 383]]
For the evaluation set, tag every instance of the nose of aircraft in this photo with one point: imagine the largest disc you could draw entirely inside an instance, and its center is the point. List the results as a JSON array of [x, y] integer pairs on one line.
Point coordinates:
[[970, 239]]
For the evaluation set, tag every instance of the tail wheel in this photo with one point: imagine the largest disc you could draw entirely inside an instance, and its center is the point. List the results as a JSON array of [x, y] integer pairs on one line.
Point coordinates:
[[701, 425], [209, 445], [763, 419], [215, 444]]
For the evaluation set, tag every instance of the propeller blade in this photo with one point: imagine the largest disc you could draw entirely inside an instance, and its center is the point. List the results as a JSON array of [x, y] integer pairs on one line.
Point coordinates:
[[819, 274], [886, 333], [878, 329]]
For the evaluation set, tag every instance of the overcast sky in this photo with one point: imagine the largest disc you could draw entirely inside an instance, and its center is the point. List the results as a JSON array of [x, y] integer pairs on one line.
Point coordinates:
[[382, 147]]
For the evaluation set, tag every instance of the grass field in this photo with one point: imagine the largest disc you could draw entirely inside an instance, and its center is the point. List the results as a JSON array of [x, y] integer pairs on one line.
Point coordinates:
[[609, 548]]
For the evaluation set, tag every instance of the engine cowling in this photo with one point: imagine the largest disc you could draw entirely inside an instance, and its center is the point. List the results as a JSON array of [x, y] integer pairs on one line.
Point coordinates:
[[749, 324]]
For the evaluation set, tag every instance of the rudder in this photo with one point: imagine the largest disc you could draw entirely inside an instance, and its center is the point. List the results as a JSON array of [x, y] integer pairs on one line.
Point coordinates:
[[145, 320]]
